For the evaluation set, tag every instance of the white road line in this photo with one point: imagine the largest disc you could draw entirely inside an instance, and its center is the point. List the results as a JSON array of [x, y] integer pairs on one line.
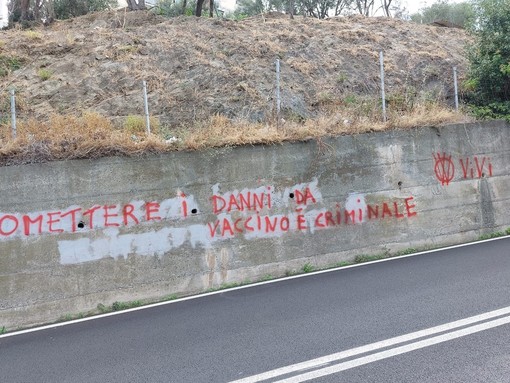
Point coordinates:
[[336, 357], [248, 286], [395, 351]]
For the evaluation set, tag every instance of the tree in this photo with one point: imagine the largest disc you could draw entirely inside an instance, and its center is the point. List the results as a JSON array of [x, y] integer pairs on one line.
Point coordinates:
[[489, 74], [341, 6], [25, 8], [46, 11], [136, 5], [392, 8], [314, 8], [458, 13], [317, 8], [200, 4], [65, 9], [32, 10], [364, 7], [173, 8], [256, 7]]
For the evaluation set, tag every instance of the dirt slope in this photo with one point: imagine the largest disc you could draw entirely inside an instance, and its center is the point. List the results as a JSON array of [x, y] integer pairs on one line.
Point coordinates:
[[198, 67]]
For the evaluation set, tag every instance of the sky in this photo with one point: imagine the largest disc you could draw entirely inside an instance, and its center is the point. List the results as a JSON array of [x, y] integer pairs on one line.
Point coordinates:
[[414, 6], [4, 16]]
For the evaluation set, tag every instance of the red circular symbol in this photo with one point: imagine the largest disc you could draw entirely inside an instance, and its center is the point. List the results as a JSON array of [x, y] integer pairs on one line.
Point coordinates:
[[444, 168]]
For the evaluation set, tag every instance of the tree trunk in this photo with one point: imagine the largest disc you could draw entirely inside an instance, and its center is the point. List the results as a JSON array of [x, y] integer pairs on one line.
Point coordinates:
[[386, 7], [134, 5], [25, 7], [198, 10], [50, 11], [211, 8], [37, 11]]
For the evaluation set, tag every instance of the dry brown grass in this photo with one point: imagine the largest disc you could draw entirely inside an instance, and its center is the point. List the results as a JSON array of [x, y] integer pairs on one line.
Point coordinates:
[[70, 137], [93, 136]]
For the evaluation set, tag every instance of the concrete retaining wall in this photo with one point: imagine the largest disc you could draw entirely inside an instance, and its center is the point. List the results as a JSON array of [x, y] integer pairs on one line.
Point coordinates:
[[78, 233]]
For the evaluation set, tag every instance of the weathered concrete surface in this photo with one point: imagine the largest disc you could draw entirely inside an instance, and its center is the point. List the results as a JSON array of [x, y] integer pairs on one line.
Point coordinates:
[[78, 233]]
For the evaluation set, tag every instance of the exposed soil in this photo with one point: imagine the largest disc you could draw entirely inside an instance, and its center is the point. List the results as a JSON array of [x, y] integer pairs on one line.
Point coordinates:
[[199, 67]]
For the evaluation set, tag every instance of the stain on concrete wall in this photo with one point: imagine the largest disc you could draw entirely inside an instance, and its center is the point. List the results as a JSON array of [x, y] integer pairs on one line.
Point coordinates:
[[486, 207], [77, 233]]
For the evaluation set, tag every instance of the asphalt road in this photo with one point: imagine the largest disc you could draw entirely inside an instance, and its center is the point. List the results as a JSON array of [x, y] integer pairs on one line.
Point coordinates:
[[243, 333]]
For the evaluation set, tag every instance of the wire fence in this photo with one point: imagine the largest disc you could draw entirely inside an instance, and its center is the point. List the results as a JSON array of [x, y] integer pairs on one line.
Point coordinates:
[[277, 92]]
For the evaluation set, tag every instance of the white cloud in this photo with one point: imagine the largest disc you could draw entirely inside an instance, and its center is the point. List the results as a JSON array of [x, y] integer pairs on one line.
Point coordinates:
[[227, 5]]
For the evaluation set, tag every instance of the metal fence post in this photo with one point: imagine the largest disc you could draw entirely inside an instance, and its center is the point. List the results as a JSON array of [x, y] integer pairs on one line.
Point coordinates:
[[456, 88], [278, 100], [383, 94], [13, 113], [146, 108]]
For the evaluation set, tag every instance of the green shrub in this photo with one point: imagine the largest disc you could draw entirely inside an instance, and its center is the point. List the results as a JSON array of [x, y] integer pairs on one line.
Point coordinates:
[[135, 124], [488, 82], [33, 35], [491, 235], [44, 74], [9, 64], [169, 8], [494, 110], [118, 306], [102, 308], [368, 258]]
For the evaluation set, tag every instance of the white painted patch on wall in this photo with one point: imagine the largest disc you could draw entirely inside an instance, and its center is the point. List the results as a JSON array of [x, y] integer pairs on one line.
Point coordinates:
[[121, 230], [245, 213], [115, 245], [356, 202]]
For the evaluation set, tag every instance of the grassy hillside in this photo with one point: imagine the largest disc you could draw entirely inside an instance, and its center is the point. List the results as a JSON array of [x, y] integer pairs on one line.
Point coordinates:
[[211, 82]]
